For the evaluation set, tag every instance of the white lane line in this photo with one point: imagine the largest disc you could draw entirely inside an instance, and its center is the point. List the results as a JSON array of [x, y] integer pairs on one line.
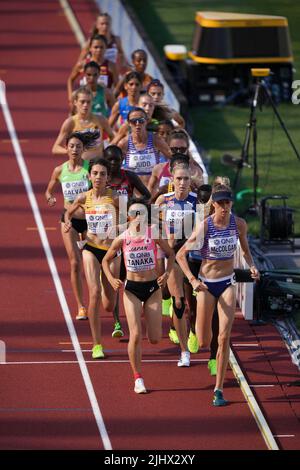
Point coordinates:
[[52, 267], [106, 361], [284, 435], [73, 22], [253, 405], [261, 386], [245, 344]]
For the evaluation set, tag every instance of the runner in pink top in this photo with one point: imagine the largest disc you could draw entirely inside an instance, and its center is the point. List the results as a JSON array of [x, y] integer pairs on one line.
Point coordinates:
[[142, 286]]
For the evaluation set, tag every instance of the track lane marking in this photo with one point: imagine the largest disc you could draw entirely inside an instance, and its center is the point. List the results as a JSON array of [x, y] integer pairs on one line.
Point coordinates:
[[8, 141], [95, 361], [252, 403], [67, 10], [261, 386], [48, 229], [52, 266]]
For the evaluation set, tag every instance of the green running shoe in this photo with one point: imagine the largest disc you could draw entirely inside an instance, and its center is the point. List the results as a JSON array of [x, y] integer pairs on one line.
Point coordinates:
[[218, 399], [118, 332], [166, 305], [193, 345], [97, 352], [212, 366], [173, 336]]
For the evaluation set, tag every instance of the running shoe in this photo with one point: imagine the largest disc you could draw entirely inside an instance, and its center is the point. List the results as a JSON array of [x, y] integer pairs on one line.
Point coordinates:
[[193, 344], [184, 360], [212, 366], [118, 332], [166, 306], [173, 336], [82, 314], [218, 399], [97, 352], [139, 386]]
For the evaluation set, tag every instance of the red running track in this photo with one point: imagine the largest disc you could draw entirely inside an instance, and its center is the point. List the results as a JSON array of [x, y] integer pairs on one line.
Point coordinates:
[[44, 402]]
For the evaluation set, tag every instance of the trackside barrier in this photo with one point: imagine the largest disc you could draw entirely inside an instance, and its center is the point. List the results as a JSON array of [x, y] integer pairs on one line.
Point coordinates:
[[124, 26], [244, 289]]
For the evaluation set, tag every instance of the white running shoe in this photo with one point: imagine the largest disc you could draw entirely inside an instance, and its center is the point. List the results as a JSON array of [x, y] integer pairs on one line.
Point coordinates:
[[139, 386], [184, 360]]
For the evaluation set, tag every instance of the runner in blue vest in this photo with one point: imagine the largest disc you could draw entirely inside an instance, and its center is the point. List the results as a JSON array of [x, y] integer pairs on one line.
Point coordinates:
[[218, 234]]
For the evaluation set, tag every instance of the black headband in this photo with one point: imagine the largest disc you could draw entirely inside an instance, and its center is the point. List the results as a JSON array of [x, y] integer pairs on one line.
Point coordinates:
[[222, 195]]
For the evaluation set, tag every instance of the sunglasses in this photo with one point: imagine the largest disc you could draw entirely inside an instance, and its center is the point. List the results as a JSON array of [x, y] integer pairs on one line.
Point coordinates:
[[135, 121], [178, 149]]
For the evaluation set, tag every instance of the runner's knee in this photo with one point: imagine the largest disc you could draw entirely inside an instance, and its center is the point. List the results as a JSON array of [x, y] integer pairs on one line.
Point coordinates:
[[179, 311]]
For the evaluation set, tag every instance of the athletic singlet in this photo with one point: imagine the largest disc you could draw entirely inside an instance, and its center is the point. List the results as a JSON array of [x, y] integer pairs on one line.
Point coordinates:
[[220, 244], [195, 254], [100, 217], [124, 108], [90, 126], [180, 214], [99, 105], [124, 187], [111, 52], [139, 253], [74, 183], [105, 76], [142, 161], [165, 176]]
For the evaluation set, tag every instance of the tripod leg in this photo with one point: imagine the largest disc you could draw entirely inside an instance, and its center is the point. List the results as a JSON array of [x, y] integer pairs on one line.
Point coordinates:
[[269, 95], [244, 153]]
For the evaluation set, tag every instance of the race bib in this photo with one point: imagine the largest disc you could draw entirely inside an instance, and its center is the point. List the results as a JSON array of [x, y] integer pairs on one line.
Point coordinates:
[[73, 188], [99, 224], [175, 218], [140, 260], [142, 163], [164, 180], [111, 54], [223, 247], [103, 80]]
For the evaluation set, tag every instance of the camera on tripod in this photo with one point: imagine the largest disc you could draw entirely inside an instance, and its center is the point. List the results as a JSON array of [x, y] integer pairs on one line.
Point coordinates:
[[261, 92], [269, 80]]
